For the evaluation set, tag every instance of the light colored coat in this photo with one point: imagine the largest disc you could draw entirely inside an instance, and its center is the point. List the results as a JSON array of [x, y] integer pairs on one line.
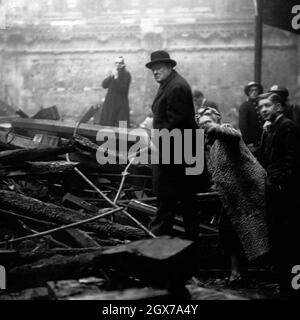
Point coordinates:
[[240, 180]]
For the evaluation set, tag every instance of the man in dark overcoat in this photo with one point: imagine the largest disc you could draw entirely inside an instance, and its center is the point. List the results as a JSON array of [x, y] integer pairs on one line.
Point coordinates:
[[279, 155], [116, 105], [250, 122], [172, 109]]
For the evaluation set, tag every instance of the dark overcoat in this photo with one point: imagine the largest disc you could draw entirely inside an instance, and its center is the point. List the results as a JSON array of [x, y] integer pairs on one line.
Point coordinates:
[[250, 122], [173, 108], [279, 154], [116, 105]]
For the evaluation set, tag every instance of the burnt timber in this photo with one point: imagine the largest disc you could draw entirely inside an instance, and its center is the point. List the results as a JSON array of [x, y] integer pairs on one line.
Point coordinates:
[[65, 129]]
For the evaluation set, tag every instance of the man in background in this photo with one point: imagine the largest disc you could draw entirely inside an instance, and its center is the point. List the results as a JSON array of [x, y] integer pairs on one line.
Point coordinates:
[[116, 105], [250, 121], [279, 155], [291, 111]]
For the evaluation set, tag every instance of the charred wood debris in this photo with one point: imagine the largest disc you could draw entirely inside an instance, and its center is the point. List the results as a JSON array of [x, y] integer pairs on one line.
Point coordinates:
[[71, 228]]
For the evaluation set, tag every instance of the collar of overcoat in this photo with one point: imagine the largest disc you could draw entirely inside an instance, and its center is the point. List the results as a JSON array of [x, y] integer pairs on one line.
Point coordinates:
[[276, 122], [163, 85]]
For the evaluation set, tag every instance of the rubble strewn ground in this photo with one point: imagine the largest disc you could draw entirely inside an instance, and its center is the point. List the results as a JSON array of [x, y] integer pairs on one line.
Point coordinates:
[[51, 252]]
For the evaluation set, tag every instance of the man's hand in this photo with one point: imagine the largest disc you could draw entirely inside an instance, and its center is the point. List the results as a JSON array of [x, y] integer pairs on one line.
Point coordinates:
[[115, 73], [211, 131]]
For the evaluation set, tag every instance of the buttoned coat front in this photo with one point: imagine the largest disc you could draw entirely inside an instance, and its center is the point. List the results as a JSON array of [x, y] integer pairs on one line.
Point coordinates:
[[250, 122], [173, 109], [116, 105]]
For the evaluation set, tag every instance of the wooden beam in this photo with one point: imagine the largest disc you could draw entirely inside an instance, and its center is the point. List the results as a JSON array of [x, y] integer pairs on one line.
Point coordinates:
[[66, 129], [22, 155], [15, 141], [47, 211], [37, 168]]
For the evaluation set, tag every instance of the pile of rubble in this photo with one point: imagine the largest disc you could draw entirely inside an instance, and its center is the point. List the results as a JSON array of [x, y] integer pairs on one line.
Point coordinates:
[[66, 219]]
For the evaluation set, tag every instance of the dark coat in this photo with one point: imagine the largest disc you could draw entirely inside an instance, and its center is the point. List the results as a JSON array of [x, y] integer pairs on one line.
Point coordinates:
[[279, 153], [173, 108], [292, 112], [250, 122], [173, 105], [116, 105]]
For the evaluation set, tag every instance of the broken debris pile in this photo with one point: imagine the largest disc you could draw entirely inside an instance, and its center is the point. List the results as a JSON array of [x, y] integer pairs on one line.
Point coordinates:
[[65, 217]]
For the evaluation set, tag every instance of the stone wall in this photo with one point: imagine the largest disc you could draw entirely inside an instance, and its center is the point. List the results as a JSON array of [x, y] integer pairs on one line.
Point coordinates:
[[62, 57]]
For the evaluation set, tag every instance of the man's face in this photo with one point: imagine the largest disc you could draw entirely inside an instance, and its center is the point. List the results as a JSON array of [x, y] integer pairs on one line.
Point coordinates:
[[119, 63], [268, 109], [161, 71], [253, 92], [206, 122]]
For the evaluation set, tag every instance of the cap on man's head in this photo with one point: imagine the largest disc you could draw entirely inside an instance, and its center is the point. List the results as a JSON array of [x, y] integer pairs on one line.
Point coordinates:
[[253, 84], [160, 56], [272, 96], [281, 91]]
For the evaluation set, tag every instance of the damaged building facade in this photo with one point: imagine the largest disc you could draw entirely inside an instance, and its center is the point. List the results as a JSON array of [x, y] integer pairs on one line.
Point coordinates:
[[57, 52]]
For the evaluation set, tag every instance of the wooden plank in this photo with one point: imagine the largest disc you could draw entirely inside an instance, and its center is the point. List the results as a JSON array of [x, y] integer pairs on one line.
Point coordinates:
[[41, 210], [40, 293], [79, 202], [67, 128], [63, 128], [57, 267], [15, 141], [4, 119], [22, 155], [128, 294], [80, 238], [161, 262], [37, 168]]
